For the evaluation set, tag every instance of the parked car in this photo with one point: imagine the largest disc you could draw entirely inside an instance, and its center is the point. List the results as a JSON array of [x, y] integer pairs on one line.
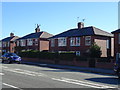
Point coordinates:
[[117, 66], [10, 58]]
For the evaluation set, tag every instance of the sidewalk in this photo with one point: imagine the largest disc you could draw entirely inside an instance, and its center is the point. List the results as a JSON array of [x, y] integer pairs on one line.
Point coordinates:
[[85, 69]]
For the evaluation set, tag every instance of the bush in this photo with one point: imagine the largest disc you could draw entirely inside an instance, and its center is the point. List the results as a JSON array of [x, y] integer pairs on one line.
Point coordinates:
[[47, 55], [95, 51]]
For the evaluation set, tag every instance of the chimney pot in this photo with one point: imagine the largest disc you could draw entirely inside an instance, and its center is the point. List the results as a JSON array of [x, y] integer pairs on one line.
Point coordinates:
[[11, 34], [37, 29], [80, 25]]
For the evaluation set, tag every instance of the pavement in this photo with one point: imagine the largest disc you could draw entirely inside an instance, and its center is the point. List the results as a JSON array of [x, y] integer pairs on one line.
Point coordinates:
[[84, 69]]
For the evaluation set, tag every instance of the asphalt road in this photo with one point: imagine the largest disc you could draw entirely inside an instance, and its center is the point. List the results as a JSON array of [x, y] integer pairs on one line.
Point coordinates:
[[21, 76]]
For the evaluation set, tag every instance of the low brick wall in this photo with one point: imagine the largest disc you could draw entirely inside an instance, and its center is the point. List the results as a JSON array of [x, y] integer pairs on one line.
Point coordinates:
[[104, 65], [37, 60]]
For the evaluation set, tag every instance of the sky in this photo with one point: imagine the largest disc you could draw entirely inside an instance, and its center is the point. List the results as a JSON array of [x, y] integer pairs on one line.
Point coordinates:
[[56, 17]]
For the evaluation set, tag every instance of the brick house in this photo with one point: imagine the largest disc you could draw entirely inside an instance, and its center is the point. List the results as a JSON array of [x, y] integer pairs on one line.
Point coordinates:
[[8, 44], [116, 41], [80, 39], [33, 41]]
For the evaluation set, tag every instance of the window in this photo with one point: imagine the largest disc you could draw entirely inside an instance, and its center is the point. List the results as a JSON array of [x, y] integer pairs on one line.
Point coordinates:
[[8, 44], [0, 44], [107, 44], [4, 44], [52, 42], [17, 43], [62, 41], [22, 42], [72, 41], [29, 42], [77, 53], [36, 42], [119, 38], [88, 40], [77, 41]]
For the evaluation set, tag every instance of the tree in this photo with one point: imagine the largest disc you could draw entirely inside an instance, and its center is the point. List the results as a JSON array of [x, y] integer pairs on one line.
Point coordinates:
[[95, 51]]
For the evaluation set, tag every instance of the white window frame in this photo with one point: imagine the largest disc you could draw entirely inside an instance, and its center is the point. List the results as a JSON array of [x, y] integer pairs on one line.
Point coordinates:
[[78, 39], [62, 41], [4, 44], [77, 53], [0, 44], [23, 42], [119, 38], [52, 42], [29, 42], [8, 43], [87, 38], [108, 44], [36, 42], [18, 42], [72, 41]]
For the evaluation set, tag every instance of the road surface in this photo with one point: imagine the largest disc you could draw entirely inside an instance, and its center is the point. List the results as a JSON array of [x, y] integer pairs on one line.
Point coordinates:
[[21, 76]]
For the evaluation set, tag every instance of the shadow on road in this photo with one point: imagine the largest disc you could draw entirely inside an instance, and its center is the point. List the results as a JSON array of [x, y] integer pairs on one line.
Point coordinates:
[[106, 80]]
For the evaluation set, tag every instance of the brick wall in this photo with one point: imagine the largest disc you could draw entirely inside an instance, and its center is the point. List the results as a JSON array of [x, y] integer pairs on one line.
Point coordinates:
[[104, 65], [117, 45]]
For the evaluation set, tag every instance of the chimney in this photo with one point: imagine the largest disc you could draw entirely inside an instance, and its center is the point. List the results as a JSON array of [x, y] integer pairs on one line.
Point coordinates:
[[11, 34], [80, 25], [37, 29]]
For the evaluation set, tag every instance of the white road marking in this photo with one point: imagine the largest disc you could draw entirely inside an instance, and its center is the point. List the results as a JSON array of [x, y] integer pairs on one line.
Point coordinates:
[[11, 86], [26, 72], [83, 83], [1, 73], [62, 79], [4, 67]]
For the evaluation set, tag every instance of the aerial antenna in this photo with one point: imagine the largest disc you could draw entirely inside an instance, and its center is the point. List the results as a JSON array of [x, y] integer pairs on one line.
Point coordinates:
[[83, 20], [35, 25], [77, 19]]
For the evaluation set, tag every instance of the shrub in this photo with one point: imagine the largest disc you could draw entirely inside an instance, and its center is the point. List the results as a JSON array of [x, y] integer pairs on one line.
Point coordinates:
[[95, 51]]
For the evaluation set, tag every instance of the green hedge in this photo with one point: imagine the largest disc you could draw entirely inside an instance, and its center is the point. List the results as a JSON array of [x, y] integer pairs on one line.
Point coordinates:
[[48, 55]]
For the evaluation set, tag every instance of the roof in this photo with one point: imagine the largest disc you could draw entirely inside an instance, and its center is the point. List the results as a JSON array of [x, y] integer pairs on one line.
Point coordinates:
[[86, 31], [116, 31], [36, 35], [9, 39]]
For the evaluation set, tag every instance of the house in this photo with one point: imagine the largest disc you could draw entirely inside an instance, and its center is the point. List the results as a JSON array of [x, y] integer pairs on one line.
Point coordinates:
[[34, 41], [80, 39], [8, 44], [116, 41]]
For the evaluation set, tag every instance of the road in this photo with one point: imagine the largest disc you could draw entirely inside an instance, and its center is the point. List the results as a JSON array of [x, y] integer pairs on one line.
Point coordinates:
[[21, 76]]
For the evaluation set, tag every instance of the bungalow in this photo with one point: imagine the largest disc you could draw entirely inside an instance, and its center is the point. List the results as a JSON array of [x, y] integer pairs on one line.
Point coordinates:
[[116, 41], [8, 44], [80, 39], [34, 41]]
